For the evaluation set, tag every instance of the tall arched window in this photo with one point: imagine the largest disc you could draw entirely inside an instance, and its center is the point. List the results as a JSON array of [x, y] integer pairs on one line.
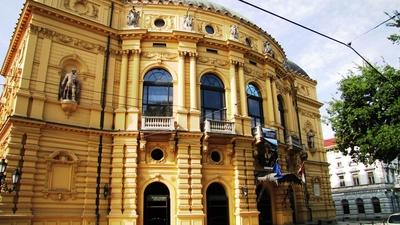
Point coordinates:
[[360, 205], [376, 204], [157, 93], [281, 109], [345, 205], [156, 204], [212, 97], [254, 102]]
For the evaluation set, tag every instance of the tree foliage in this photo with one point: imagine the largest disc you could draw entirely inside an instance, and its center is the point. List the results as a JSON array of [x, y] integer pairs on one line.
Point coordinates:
[[395, 38], [366, 117]]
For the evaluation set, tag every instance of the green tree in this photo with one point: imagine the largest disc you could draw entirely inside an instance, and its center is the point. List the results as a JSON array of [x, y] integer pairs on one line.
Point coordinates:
[[366, 117], [395, 38]]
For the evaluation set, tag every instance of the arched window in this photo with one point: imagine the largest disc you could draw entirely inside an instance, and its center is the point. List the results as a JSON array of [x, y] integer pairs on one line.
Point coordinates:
[[254, 102], [157, 93], [281, 109], [360, 205], [376, 204], [345, 205], [212, 98]]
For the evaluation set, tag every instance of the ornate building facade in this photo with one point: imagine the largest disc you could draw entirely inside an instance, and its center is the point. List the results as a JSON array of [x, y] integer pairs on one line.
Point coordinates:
[[156, 112], [363, 192]]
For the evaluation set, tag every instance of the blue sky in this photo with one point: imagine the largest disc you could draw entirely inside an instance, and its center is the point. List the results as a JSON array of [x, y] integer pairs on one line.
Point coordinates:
[[324, 60]]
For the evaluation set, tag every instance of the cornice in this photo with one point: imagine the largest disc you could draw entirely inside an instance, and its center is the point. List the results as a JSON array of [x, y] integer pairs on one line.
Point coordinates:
[[187, 36], [309, 101]]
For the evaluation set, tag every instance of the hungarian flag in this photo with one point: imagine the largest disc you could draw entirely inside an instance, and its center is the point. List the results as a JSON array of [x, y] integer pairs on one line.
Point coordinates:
[[301, 173]]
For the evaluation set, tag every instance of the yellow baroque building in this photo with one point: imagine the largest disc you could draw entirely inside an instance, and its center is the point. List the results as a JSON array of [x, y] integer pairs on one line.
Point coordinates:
[[154, 113]]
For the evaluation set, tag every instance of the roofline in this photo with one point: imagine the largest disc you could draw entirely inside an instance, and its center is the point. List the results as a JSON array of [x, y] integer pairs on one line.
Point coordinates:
[[18, 30]]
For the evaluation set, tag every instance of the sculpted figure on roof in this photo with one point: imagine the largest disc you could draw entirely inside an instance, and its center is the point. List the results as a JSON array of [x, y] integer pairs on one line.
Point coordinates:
[[133, 17]]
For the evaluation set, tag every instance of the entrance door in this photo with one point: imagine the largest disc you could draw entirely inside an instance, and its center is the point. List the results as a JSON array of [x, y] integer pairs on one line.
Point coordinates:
[[156, 204], [264, 206], [217, 205], [292, 198]]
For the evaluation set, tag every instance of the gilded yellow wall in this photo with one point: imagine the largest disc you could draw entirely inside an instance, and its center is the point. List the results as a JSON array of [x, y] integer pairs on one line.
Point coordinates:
[[59, 157]]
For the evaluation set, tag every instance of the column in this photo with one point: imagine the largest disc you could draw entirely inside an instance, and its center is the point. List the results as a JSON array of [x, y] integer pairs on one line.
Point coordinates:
[[270, 103], [120, 111], [193, 81], [291, 118], [274, 100], [242, 88], [232, 73], [181, 81], [194, 106], [133, 91]]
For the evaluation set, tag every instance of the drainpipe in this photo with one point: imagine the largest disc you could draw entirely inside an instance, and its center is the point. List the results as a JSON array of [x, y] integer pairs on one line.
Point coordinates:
[[307, 195], [103, 106]]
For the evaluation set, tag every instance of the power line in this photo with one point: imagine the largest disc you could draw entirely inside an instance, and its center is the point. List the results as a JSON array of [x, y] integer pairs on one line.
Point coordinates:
[[380, 24], [348, 45]]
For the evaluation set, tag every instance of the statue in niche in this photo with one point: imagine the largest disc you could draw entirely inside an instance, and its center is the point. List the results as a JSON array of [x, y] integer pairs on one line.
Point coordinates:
[[310, 140], [234, 32], [267, 48], [70, 88], [188, 23], [133, 17]]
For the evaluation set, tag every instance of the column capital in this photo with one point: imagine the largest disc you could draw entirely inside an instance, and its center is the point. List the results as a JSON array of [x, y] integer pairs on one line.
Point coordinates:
[[187, 53]]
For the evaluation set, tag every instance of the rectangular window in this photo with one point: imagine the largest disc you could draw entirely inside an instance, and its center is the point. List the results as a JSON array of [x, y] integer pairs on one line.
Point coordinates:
[[371, 178], [159, 45], [342, 183], [356, 182], [210, 50]]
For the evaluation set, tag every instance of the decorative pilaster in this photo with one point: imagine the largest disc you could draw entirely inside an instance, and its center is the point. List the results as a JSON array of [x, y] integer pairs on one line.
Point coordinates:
[[130, 181], [232, 77], [270, 103], [242, 88], [194, 106], [116, 177], [38, 94], [181, 80], [289, 105], [183, 180], [133, 92], [120, 111], [274, 100]]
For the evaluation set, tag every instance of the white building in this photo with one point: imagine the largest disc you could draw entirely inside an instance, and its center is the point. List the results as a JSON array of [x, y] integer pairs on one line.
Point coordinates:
[[362, 192]]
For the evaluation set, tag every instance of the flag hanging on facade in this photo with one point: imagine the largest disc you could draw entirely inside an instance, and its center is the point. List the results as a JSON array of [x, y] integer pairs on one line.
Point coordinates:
[[301, 173], [277, 169]]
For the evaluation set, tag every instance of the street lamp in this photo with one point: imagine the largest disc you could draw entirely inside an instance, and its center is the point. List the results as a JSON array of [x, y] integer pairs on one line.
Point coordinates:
[[3, 175]]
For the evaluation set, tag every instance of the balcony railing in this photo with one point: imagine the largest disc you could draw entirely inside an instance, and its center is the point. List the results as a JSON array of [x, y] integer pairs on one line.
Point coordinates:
[[157, 123], [215, 126]]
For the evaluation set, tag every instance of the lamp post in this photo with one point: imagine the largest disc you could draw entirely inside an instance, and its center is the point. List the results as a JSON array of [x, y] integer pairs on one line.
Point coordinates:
[[16, 175]]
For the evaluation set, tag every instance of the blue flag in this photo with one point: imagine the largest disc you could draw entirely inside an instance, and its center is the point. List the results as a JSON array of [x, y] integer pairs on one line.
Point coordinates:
[[277, 169]]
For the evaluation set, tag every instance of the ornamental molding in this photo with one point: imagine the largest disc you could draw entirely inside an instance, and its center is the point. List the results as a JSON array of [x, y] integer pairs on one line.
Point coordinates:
[[159, 56], [212, 61], [83, 8], [149, 20], [257, 73], [66, 39]]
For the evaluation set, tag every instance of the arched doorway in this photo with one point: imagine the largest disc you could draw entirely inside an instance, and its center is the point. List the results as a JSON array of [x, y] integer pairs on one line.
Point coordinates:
[[156, 204], [292, 200], [264, 206], [217, 205]]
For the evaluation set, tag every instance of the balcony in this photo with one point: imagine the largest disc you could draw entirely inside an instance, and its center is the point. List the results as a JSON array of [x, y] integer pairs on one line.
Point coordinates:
[[157, 123], [216, 126], [294, 143]]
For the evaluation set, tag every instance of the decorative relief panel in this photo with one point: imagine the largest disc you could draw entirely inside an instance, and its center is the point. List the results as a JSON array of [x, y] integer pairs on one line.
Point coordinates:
[[212, 61], [169, 22], [201, 28], [61, 173], [160, 56], [83, 8], [304, 90], [253, 72]]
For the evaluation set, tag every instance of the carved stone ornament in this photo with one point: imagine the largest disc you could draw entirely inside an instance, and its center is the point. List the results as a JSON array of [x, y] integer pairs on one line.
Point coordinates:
[[267, 48], [69, 92]]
